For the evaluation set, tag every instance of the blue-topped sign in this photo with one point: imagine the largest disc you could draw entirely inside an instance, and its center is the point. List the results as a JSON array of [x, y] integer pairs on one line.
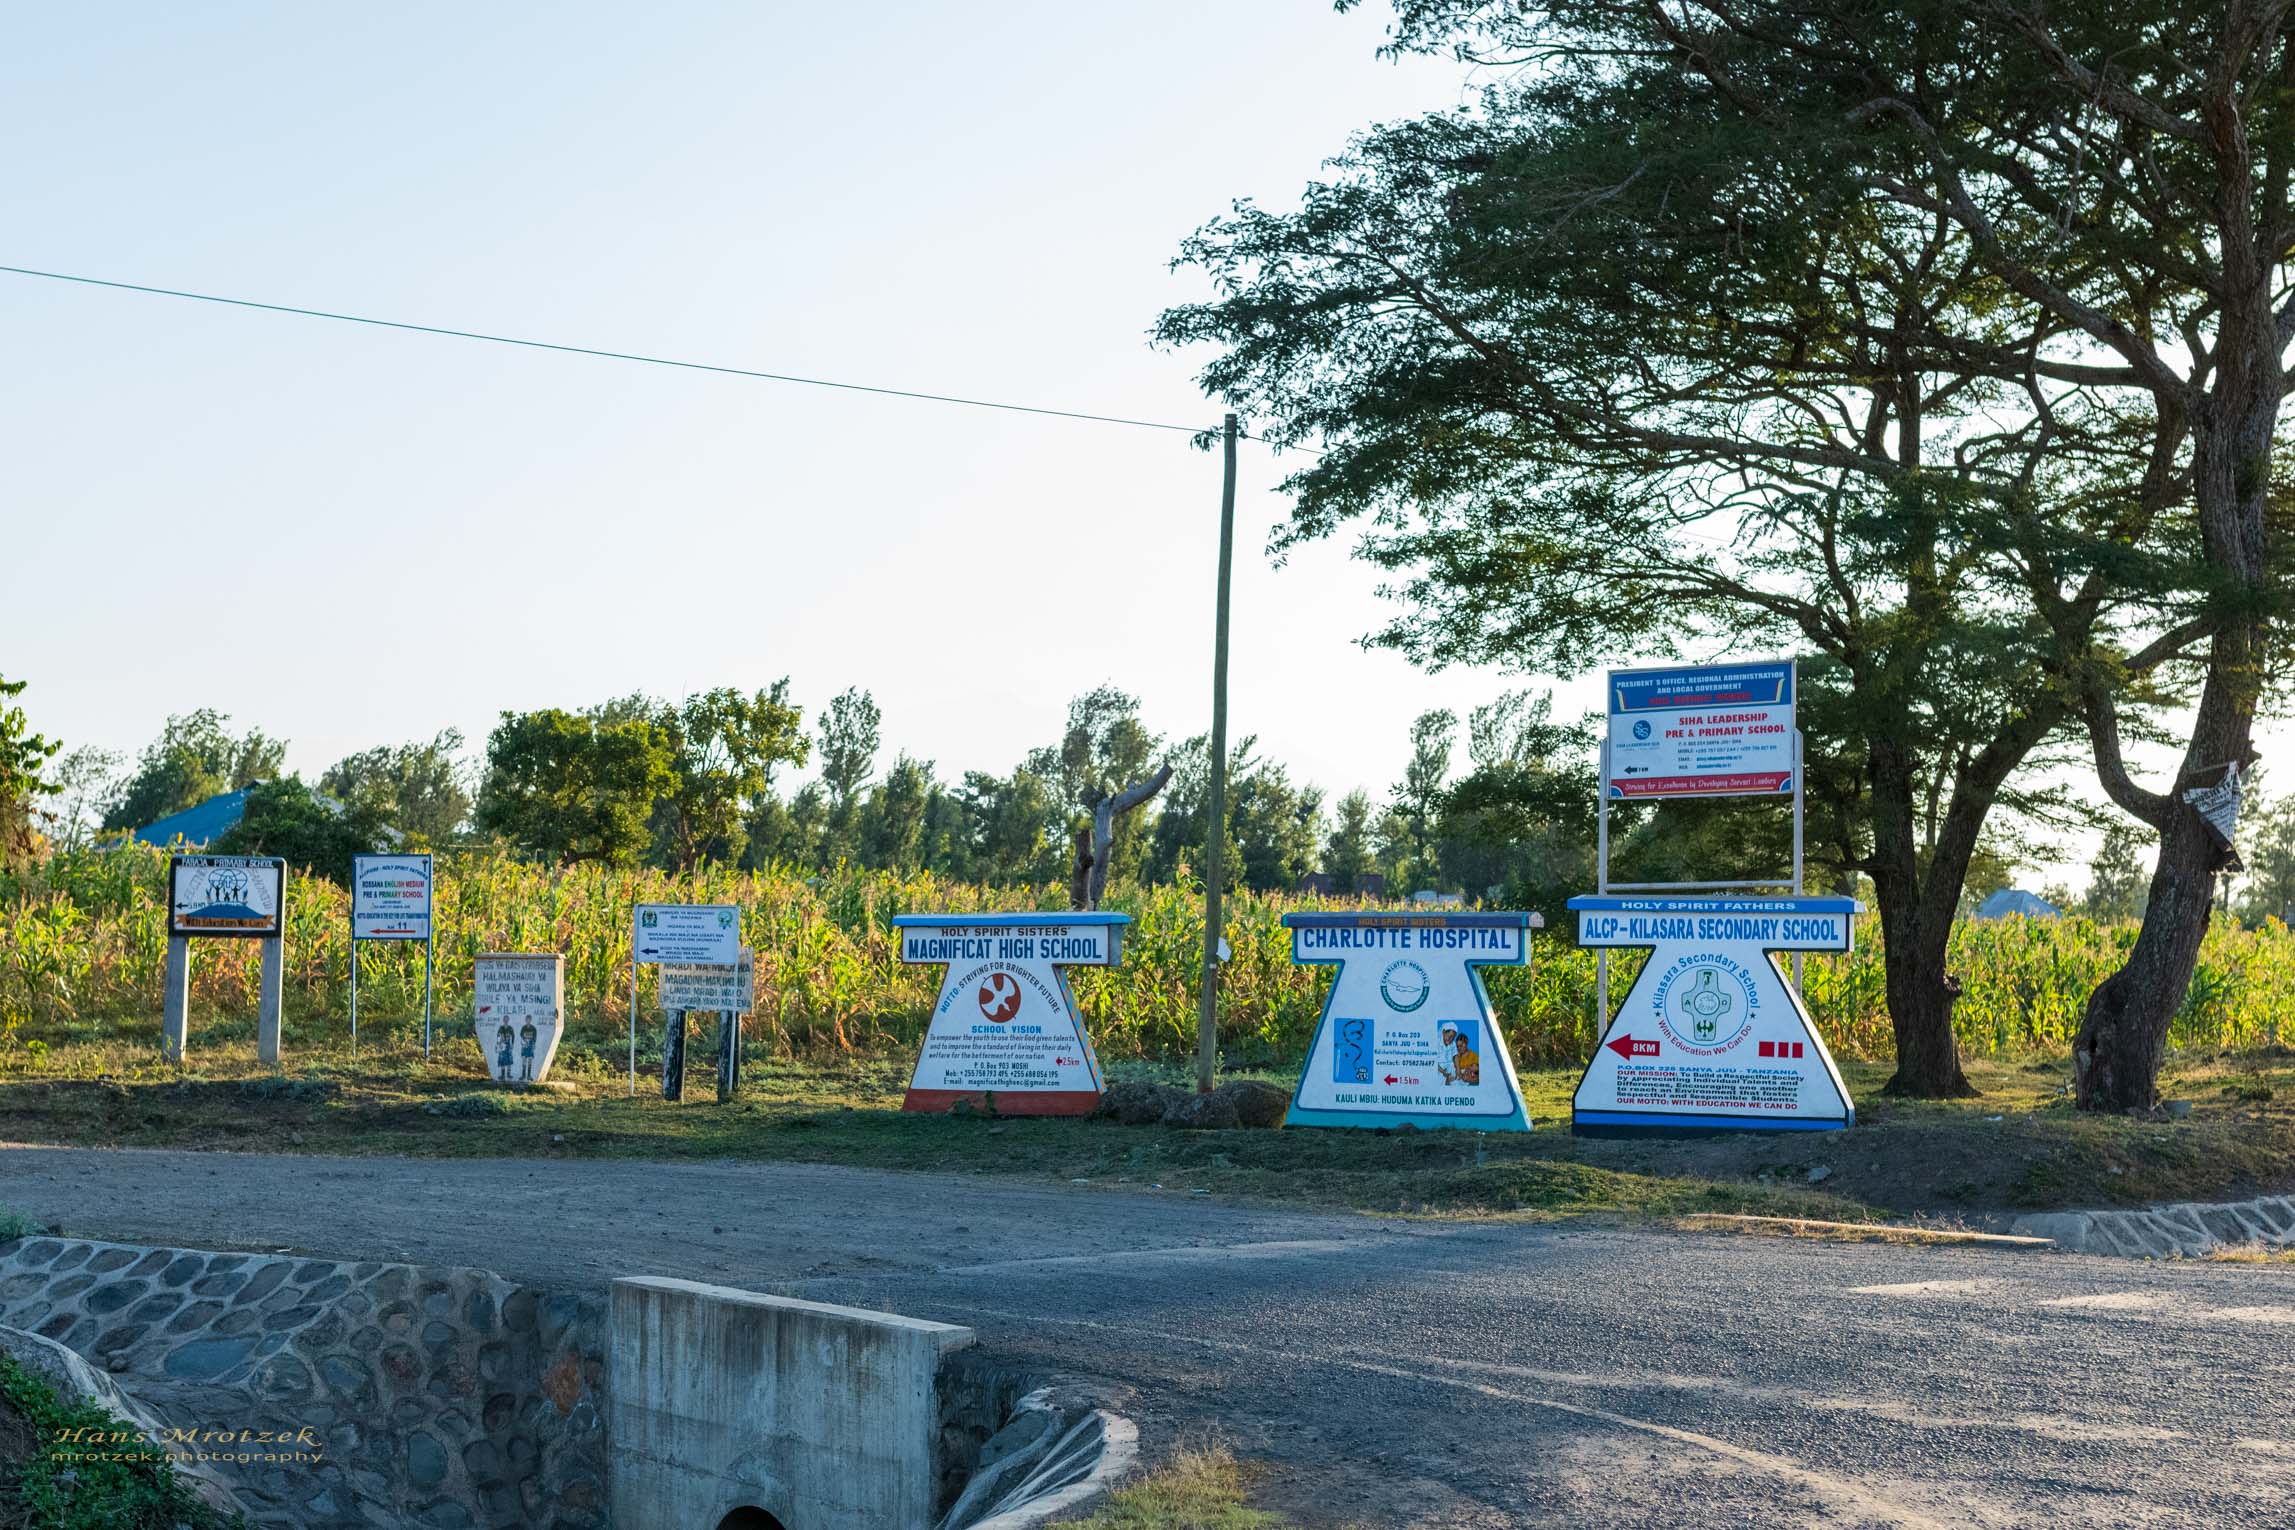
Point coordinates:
[[1710, 1036], [1406, 1036], [1716, 730], [1005, 1032]]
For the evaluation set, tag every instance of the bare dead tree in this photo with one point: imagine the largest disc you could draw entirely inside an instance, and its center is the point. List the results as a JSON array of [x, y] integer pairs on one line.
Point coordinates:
[[1089, 882]]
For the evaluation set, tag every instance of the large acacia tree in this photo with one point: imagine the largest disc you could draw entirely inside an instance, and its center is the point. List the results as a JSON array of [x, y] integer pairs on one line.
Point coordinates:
[[1652, 353]]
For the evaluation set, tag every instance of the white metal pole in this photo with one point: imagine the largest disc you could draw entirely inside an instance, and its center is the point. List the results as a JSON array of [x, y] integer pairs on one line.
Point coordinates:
[[354, 994], [1800, 785], [1602, 885], [429, 966], [633, 1001]]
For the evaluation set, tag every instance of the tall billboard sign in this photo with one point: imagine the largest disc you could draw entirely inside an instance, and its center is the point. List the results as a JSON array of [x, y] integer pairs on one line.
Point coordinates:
[[1715, 730], [1407, 1036], [1711, 1037], [1005, 1032]]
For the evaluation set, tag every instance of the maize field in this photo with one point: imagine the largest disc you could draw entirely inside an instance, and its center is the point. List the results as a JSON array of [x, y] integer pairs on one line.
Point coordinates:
[[83, 943]]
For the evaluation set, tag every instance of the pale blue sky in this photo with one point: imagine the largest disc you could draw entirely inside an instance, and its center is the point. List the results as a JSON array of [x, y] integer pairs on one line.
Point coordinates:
[[351, 536], [410, 532]]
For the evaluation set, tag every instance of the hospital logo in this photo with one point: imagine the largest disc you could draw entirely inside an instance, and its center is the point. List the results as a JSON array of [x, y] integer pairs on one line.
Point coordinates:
[[1404, 986]]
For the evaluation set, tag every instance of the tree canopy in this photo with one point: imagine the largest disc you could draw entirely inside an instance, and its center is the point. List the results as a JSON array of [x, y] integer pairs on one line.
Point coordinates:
[[1806, 330]]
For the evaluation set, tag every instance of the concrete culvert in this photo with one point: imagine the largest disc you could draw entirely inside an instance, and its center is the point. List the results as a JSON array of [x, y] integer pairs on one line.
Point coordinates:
[[749, 1518]]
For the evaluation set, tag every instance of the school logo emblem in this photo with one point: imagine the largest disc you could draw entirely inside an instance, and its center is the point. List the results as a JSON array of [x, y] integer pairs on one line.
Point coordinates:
[[999, 997], [1642, 728], [1404, 985], [1705, 1005]]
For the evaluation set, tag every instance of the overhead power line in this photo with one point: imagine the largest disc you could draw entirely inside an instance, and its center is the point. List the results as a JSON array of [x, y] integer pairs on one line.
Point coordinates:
[[1200, 431]]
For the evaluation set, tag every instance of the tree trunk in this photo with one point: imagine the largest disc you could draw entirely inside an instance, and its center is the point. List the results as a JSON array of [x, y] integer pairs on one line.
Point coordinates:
[[1088, 882], [2123, 1036], [1921, 995], [1918, 902]]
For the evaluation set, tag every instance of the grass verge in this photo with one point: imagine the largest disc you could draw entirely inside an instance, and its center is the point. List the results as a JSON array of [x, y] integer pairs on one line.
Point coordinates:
[[1200, 1489], [2019, 1146], [72, 1466]]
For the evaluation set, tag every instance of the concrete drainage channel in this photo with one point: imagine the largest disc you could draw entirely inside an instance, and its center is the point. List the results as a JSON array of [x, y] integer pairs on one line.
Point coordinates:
[[322, 1393], [2187, 1230]]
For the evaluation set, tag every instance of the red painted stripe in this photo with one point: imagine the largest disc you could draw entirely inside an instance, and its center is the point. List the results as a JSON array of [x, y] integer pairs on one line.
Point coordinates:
[[1014, 1102]]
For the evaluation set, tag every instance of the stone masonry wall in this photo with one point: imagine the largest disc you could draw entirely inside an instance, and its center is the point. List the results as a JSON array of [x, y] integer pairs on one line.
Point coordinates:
[[445, 1399]]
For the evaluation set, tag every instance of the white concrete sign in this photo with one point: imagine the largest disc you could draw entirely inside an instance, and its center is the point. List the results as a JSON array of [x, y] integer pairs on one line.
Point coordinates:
[[722, 990], [1718, 730], [240, 895], [390, 897], [1407, 1035], [518, 1007], [1004, 1029], [1710, 1036], [691, 934]]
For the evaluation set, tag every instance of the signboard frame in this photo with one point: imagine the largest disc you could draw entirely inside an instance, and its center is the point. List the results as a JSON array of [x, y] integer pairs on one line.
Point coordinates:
[[178, 864], [1737, 688], [359, 865], [641, 956], [960, 969], [175, 1022], [676, 1001], [1603, 795], [1490, 1047], [1705, 932]]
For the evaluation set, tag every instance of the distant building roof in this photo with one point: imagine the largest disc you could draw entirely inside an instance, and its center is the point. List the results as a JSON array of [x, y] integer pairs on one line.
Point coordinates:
[[199, 825], [2015, 900]]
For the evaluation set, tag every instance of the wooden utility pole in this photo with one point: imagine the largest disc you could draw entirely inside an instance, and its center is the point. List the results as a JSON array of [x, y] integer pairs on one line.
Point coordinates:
[[1215, 837]]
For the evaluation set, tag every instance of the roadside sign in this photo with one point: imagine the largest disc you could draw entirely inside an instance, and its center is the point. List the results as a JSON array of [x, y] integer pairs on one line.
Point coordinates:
[[1407, 1036], [724, 990], [517, 1009], [692, 934], [1717, 730], [1711, 1037], [390, 897], [234, 895], [1005, 1030]]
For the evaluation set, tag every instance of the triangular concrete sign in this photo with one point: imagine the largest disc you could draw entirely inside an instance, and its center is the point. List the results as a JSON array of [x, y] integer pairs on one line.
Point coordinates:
[[1005, 1034], [1407, 1037], [1711, 1037]]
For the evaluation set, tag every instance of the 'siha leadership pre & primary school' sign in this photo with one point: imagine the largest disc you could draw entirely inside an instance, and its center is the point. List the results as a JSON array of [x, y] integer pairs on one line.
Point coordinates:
[[1717, 730], [1711, 1037], [390, 897], [518, 1005], [237, 895], [1407, 1036], [1005, 1023]]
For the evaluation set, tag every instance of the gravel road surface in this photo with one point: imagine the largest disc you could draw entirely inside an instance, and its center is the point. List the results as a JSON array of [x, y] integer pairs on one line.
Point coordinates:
[[1391, 1373]]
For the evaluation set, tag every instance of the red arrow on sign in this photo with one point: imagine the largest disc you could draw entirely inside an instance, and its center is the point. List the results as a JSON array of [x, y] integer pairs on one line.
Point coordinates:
[[1392, 1079], [1626, 1046]]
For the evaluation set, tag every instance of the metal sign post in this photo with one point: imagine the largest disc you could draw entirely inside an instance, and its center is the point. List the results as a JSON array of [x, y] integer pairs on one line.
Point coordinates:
[[682, 935], [391, 900]]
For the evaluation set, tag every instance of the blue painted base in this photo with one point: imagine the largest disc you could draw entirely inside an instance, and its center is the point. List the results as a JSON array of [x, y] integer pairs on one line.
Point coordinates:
[[1519, 1121], [1626, 1123]]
